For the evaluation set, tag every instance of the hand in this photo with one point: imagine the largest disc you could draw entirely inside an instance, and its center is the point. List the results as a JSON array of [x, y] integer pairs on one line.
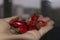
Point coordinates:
[[30, 35]]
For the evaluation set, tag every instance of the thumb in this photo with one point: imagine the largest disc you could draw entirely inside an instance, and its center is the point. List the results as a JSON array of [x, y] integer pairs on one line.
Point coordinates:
[[10, 18]]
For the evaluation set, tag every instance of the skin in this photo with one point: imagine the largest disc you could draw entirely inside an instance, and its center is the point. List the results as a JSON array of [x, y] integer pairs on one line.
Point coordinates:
[[5, 33]]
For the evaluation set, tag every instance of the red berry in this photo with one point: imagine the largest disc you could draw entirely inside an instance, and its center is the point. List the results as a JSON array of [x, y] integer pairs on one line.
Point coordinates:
[[18, 23], [31, 23], [42, 23], [24, 21], [30, 27], [35, 27], [22, 29], [34, 18]]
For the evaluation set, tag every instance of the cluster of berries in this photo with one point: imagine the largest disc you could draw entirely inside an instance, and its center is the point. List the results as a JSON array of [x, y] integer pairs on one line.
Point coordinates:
[[21, 26]]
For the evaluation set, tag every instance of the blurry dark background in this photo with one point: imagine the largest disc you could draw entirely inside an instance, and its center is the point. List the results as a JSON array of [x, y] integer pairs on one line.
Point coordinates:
[[26, 8]]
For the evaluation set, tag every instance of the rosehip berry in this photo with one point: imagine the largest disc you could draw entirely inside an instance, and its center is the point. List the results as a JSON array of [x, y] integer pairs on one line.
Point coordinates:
[[22, 29], [30, 27], [35, 27], [17, 23], [31, 23], [34, 18], [42, 23], [24, 21]]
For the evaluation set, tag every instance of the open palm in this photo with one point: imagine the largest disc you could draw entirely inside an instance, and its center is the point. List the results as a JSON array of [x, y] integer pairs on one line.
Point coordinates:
[[30, 35]]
